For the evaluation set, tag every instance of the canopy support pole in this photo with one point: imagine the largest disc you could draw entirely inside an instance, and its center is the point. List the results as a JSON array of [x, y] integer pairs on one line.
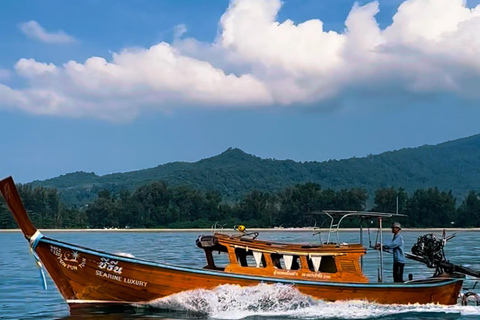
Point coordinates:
[[381, 250], [361, 242]]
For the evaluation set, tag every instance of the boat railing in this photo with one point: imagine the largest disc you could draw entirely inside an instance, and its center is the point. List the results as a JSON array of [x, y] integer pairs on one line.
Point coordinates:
[[247, 235], [218, 228], [335, 218], [333, 221], [239, 231], [317, 230]]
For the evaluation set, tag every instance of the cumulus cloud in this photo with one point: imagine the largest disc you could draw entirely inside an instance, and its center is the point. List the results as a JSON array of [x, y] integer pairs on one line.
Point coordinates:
[[35, 31], [432, 47], [154, 77]]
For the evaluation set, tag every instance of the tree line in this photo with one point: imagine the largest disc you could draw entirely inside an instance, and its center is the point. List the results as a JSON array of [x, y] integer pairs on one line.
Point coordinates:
[[158, 205]]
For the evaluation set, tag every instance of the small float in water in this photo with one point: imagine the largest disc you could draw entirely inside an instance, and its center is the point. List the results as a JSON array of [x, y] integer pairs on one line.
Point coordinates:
[[328, 271]]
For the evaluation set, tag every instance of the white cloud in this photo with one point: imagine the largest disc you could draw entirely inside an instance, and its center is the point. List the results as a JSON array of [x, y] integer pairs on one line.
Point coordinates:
[[432, 47], [35, 31], [179, 30], [155, 77], [31, 68]]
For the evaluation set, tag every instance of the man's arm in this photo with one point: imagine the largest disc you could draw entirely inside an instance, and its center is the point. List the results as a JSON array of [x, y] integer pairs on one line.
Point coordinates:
[[395, 243]]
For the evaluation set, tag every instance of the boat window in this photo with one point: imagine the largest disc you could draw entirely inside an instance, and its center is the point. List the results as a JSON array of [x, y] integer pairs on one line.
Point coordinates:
[[215, 263], [277, 261], [289, 262], [322, 264], [221, 259], [250, 258]]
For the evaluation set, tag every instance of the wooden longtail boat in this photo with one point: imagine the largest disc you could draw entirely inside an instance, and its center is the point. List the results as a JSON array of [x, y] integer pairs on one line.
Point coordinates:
[[331, 272]]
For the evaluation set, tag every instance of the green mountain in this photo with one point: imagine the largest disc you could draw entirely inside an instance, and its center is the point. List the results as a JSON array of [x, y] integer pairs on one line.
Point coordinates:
[[453, 165]]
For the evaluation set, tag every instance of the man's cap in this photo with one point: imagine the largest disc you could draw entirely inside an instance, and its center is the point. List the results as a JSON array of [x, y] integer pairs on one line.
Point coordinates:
[[397, 225]]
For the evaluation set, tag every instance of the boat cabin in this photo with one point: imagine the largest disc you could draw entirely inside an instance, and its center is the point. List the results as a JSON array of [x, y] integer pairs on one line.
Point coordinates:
[[247, 255], [326, 261]]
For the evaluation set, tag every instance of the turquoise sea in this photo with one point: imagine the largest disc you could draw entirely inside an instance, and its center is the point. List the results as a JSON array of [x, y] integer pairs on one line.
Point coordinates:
[[23, 297]]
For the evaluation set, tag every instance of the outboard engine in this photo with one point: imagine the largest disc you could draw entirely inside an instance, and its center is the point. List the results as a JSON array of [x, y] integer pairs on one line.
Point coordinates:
[[430, 248]]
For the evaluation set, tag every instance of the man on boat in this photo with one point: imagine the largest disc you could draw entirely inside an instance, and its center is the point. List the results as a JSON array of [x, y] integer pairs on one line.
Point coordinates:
[[396, 247]]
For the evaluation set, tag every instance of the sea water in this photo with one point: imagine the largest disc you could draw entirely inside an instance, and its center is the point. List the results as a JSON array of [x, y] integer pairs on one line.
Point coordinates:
[[23, 297]]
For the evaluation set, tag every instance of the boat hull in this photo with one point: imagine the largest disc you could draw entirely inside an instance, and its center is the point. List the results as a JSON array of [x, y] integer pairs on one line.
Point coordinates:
[[86, 278]]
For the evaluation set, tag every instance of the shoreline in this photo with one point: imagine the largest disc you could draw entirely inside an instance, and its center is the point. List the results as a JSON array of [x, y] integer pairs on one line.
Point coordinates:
[[231, 230]]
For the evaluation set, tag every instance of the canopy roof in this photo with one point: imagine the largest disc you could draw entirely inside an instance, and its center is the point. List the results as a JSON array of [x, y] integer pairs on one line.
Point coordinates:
[[336, 217], [359, 214]]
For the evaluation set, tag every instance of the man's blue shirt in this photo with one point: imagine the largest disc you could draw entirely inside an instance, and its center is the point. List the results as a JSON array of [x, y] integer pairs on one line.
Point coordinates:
[[397, 247]]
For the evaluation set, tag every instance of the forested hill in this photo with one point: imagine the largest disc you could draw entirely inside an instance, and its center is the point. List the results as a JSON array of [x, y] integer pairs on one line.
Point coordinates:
[[453, 165]]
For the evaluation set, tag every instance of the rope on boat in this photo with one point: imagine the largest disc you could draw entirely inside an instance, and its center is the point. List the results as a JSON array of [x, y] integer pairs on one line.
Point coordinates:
[[34, 240]]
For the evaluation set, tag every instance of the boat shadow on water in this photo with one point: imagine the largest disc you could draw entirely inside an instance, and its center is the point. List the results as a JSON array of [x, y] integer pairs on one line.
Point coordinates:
[[114, 313]]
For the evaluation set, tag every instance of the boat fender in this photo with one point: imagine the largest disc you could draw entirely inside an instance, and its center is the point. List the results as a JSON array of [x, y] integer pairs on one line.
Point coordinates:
[[470, 296]]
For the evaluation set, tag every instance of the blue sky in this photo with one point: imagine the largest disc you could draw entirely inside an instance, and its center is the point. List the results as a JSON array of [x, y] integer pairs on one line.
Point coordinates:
[[114, 86]]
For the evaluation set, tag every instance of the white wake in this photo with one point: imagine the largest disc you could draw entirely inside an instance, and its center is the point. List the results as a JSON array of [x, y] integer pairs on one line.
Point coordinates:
[[235, 302]]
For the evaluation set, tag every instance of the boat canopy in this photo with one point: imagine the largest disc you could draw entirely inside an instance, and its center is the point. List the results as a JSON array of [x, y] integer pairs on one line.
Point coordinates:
[[334, 219]]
